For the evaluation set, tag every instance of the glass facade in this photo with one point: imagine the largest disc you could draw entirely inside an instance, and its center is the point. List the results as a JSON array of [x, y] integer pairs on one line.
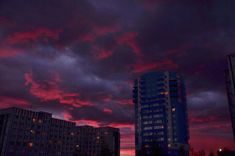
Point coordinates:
[[160, 114]]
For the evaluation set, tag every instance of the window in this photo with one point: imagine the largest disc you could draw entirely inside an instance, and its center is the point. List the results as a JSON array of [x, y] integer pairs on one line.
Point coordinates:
[[159, 127], [148, 128]]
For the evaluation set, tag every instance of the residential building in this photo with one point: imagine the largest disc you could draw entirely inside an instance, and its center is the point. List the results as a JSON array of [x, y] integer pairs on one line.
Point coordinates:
[[29, 133], [103, 141], [161, 121]]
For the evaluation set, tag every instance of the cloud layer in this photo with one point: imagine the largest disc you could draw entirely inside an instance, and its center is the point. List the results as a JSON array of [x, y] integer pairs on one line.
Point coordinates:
[[78, 59]]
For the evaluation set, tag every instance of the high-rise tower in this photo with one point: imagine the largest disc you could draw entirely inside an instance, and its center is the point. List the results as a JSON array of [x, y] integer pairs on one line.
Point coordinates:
[[161, 120]]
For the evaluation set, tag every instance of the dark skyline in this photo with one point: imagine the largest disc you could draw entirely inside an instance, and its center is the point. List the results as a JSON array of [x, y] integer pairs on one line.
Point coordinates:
[[78, 59]]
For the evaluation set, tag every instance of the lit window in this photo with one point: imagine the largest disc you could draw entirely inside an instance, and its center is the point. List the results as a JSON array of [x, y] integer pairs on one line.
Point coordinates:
[[34, 120], [146, 146], [164, 93], [148, 128], [32, 131], [30, 144], [173, 109]]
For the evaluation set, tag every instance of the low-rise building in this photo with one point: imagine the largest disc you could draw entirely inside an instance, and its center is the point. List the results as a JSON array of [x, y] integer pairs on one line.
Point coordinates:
[[29, 133]]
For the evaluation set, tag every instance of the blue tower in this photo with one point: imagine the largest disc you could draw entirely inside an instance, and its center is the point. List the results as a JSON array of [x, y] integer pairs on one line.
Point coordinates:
[[161, 120]]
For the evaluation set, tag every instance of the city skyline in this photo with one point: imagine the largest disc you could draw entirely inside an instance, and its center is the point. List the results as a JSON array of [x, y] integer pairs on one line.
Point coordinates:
[[77, 59]]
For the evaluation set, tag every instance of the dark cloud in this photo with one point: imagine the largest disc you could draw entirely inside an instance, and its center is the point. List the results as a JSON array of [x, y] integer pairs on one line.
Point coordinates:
[[78, 59]]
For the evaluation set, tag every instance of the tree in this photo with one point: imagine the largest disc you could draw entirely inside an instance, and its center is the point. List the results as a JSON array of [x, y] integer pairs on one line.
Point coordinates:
[[156, 150], [201, 153], [211, 154], [143, 151], [181, 151]]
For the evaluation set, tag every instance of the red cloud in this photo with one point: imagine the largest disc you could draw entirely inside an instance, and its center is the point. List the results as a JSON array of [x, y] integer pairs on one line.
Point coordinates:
[[104, 30], [6, 102], [98, 31], [161, 65], [88, 122], [208, 123], [107, 98], [33, 36], [96, 123], [9, 52], [107, 110], [67, 116], [130, 40], [4, 21], [122, 125], [206, 119], [104, 54], [87, 37], [50, 90], [151, 4], [128, 152], [125, 102], [101, 53], [82, 122]]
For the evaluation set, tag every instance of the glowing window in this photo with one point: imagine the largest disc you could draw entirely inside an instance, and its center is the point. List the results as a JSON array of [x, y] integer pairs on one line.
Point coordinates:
[[30, 144]]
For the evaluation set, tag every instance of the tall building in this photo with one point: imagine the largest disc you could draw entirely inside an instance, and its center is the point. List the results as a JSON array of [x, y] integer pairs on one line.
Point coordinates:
[[161, 120], [29, 133], [230, 81]]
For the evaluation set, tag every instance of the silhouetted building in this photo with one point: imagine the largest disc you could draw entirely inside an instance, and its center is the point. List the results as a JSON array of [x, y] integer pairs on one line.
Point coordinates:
[[92, 141], [161, 120], [230, 81], [29, 133]]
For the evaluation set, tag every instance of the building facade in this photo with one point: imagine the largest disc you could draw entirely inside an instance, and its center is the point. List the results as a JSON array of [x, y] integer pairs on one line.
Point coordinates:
[[230, 82], [29, 133], [103, 141], [161, 120]]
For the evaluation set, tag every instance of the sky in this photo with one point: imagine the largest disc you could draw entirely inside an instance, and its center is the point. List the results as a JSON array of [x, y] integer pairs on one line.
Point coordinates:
[[78, 58]]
